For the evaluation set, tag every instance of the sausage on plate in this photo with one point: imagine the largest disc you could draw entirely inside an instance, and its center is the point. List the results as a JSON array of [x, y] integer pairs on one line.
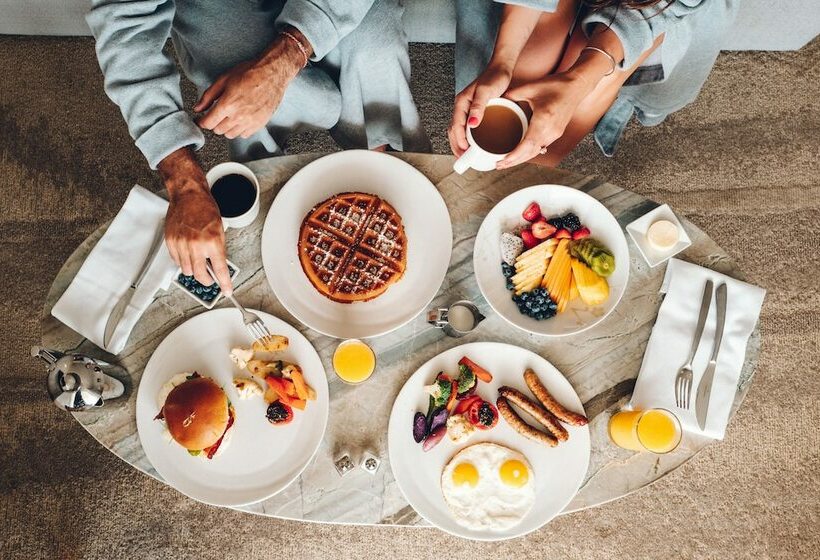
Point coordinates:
[[543, 416], [514, 420], [549, 402]]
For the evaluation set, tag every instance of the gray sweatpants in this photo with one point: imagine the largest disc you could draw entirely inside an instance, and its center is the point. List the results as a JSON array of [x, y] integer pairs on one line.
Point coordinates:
[[360, 90]]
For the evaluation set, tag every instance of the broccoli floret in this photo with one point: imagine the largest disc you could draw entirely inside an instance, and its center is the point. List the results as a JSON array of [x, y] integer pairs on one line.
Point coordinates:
[[466, 379], [440, 390]]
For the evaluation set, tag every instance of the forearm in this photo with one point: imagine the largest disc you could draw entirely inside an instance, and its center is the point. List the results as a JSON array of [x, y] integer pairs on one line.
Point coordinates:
[[517, 24], [324, 22], [284, 53]]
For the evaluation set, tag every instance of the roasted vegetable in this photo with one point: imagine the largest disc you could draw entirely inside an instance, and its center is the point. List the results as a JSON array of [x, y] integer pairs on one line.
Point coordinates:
[[439, 419], [440, 390], [419, 427], [479, 371], [434, 438], [466, 379]]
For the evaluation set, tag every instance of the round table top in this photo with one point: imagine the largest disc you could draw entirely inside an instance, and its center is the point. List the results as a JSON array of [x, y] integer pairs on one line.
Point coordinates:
[[600, 363]]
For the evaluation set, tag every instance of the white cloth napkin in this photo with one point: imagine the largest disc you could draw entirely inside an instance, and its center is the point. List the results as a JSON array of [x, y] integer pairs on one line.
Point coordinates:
[[110, 268], [671, 341]]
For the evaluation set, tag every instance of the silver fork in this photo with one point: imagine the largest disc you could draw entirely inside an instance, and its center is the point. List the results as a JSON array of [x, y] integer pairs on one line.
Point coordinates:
[[683, 381], [255, 326]]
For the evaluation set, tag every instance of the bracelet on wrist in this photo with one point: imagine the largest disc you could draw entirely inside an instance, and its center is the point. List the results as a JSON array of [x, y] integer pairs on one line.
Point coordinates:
[[298, 44]]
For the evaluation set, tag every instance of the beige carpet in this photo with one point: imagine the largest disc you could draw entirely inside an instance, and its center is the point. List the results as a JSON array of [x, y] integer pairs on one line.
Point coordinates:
[[742, 163]]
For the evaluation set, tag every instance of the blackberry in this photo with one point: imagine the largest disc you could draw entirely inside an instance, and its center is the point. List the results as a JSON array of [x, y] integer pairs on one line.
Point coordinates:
[[557, 223], [571, 222]]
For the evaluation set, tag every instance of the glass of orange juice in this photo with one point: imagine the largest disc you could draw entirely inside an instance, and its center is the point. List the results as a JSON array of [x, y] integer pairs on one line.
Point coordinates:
[[354, 361], [655, 430]]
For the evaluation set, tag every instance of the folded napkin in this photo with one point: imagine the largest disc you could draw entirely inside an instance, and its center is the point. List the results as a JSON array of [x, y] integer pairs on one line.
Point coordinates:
[[112, 266], [671, 341]]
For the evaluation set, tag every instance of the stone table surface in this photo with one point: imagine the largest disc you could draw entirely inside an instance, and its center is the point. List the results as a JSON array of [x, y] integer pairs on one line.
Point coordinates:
[[600, 363]]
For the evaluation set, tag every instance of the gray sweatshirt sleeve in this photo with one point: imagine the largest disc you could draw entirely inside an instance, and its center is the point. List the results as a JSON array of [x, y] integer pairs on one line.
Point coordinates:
[[139, 77], [638, 28], [324, 22]]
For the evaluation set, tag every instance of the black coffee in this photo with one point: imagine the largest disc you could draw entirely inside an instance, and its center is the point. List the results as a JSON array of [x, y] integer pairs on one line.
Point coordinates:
[[234, 194]]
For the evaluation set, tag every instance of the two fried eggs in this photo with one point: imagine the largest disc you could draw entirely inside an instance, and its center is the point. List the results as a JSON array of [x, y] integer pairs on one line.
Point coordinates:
[[488, 486]]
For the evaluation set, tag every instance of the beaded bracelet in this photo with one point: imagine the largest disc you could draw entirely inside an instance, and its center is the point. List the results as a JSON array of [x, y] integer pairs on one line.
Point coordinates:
[[298, 44]]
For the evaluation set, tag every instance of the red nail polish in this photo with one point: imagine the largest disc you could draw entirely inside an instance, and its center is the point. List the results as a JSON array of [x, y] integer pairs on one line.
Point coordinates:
[[472, 121]]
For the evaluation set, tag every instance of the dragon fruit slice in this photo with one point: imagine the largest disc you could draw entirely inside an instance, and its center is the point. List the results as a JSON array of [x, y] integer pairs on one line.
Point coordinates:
[[511, 247]]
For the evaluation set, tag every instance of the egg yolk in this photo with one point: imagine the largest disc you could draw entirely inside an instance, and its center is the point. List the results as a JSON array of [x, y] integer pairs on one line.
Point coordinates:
[[465, 473], [514, 473]]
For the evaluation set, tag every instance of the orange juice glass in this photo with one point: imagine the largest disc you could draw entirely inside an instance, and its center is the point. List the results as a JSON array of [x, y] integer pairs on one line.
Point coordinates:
[[655, 430], [354, 361]]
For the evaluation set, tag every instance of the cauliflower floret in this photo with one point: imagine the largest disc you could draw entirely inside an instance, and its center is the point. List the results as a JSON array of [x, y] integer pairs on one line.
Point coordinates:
[[459, 428], [241, 357]]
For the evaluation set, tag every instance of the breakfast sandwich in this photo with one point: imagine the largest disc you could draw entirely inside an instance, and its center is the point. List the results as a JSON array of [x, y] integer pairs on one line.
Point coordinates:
[[197, 414]]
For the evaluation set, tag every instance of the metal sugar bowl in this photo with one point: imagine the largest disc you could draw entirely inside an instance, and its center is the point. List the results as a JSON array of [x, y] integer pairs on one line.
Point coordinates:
[[76, 382]]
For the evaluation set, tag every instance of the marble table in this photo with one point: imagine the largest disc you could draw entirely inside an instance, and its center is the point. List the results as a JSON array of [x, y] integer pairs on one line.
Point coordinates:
[[601, 363]]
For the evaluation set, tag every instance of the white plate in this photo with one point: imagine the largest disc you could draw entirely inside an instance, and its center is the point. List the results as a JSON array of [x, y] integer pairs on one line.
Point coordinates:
[[559, 471], [261, 459], [426, 222], [638, 228], [555, 200]]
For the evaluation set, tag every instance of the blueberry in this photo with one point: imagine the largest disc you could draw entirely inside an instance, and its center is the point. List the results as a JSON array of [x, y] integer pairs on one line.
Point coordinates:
[[510, 285]]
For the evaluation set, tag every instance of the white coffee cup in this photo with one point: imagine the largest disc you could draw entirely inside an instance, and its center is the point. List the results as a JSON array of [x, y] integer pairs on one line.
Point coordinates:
[[479, 158], [233, 168]]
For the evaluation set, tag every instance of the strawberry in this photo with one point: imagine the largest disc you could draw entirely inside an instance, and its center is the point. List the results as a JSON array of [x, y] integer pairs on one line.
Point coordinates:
[[561, 234], [542, 230], [532, 213], [529, 239], [581, 233]]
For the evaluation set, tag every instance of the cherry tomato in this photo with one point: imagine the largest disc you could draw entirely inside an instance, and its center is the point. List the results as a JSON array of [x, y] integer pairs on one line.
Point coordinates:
[[482, 414]]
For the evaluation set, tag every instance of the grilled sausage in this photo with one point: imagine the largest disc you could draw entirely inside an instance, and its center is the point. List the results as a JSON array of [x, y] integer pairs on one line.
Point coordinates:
[[549, 402], [544, 417], [514, 420]]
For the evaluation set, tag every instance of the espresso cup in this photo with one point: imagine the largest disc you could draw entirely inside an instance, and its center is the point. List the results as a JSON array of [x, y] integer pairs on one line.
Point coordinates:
[[480, 158], [247, 216]]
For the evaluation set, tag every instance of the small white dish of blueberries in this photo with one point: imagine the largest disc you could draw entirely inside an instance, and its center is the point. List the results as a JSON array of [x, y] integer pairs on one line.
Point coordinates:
[[207, 296]]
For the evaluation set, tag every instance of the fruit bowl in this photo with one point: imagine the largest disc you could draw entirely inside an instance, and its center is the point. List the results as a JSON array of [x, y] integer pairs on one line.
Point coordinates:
[[554, 200]]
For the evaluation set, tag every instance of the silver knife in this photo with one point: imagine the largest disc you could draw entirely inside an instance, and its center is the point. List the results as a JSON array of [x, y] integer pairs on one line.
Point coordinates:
[[119, 309], [705, 385]]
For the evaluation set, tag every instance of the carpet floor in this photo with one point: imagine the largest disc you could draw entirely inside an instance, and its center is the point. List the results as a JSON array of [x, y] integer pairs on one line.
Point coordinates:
[[742, 162]]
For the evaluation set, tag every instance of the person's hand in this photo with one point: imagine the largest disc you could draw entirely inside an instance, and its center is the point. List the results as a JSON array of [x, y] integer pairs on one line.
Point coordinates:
[[241, 101], [553, 101], [469, 106], [193, 225]]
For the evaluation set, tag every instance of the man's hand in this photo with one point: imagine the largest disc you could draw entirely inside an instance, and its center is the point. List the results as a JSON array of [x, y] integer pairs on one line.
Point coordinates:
[[469, 106], [193, 225], [241, 101]]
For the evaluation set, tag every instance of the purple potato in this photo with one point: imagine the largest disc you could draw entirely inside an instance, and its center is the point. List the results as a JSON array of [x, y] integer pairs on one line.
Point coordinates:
[[439, 419], [419, 427], [434, 437]]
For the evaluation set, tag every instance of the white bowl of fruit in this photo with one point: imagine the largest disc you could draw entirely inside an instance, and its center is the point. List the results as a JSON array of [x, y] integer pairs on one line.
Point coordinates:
[[551, 260]]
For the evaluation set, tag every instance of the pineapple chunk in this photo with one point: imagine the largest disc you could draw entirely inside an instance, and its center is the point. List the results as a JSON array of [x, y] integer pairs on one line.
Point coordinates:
[[593, 289]]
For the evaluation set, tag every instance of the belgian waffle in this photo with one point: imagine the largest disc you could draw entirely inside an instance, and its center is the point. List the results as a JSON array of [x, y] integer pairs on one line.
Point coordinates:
[[353, 247]]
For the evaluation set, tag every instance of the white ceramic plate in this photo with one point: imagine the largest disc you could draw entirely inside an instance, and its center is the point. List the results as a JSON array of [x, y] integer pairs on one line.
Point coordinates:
[[559, 471], [426, 222], [261, 459], [555, 200]]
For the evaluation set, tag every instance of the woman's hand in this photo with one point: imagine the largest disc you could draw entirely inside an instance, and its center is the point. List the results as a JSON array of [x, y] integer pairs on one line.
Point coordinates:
[[471, 102], [553, 101]]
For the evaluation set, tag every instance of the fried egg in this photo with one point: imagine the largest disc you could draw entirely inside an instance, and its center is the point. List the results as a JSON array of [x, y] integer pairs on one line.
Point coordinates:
[[488, 486]]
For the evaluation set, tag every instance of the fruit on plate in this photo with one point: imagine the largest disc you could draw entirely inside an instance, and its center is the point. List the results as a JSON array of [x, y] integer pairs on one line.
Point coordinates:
[[559, 275], [531, 266], [542, 230], [581, 233], [532, 212], [529, 239], [511, 247], [592, 288], [536, 304], [563, 234], [595, 255]]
